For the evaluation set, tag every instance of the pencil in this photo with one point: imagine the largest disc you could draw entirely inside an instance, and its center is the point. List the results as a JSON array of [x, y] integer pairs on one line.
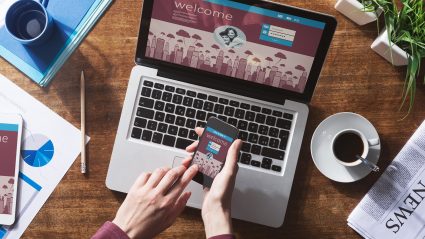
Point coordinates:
[[83, 123]]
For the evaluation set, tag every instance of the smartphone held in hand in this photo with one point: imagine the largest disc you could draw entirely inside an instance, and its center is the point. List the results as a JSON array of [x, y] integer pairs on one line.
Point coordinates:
[[211, 152]]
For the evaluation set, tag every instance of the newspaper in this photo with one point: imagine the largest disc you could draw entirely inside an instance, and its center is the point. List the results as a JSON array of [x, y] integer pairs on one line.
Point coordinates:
[[395, 206]]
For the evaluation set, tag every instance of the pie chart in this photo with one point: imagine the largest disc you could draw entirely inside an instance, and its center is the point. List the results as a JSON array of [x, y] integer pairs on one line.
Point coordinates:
[[38, 150]]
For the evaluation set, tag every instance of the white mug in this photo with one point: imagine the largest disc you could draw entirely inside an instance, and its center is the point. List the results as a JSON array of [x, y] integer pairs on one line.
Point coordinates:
[[367, 143]]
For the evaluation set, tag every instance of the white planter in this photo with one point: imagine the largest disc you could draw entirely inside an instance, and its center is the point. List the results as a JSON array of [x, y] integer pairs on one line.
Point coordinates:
[[382, 46], [354, 10]]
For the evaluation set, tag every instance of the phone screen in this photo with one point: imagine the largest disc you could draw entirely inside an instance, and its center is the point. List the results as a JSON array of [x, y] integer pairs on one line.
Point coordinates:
[[212, 152], [8, 151]]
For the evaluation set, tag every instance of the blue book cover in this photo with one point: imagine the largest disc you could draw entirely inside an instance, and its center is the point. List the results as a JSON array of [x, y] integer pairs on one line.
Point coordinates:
[[70, 17]]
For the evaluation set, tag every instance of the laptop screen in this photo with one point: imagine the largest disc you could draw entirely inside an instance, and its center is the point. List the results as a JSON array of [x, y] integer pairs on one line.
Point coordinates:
[[237, 40]]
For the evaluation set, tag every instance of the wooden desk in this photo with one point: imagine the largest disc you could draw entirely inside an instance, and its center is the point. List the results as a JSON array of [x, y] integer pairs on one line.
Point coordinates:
[[354, 79]]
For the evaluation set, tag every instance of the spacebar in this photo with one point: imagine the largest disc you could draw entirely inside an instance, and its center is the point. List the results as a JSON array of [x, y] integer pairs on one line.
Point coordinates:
[[273, 153], [183, 143]]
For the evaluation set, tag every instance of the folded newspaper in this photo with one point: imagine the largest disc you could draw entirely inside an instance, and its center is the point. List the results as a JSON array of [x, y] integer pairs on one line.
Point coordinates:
[[395, 206]]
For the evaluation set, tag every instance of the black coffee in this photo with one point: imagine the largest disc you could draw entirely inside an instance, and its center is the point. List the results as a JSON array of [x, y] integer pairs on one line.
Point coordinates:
[[347, 146]]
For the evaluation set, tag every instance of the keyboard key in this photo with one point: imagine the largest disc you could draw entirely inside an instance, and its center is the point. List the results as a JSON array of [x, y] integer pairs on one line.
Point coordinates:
[[243, 135], [240, 114], [263, 129], [277, 113], [274, 132], [169, 140], [159, 116], [190, 113], [208, 106], [190, 123], [267, 163], [139, 122], [263, 140], [181, 91], [159, 86], [242, 125], [222, 117], [256, 149], [245, 106], [156, 94], [145, 102], [255, 163], [146, 91], [159, 105], [167, 96], [169, 108], [253, 127], [288, 116], [245, 158], [157, 138], [172, 130], [223, 101], [256, 108], [232, 121], [219, 109], [183, 132], [148, 83], [187, 101], [253, 138], [180, 110], [177, 99], [202, 96], [260, 118], [191, 93], [145, 113], [170, 88], [276, 168], [234, 103], [212, 98], [273, 153], [180, 121], [266, 111], [284, 134], [201, 115], [193, 135], [147, 135], [229, 111], [250, 116], [183, 143], [162, 127], [136, 133], [283, 143], [284, 124], [274, 143], [170, 119], [198, 104], [271, 121], [246, 147], [152, 125], [209, 115], [201, 124]]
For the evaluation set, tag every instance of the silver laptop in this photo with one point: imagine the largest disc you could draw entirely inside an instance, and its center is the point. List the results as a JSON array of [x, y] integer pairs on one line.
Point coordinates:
[[253, 64]]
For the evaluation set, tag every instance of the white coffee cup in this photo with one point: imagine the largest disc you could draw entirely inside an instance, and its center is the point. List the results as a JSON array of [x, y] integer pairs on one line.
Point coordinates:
[[367, 143]]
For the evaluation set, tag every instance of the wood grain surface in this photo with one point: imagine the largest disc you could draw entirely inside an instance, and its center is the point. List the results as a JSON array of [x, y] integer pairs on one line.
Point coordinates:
[[354, 79]]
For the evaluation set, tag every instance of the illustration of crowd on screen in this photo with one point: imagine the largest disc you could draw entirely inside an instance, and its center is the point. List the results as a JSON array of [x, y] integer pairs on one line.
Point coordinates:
[[6, 194]]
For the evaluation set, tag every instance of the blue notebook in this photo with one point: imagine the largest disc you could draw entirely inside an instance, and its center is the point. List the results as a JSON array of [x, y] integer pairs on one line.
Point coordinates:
[[73, 20]]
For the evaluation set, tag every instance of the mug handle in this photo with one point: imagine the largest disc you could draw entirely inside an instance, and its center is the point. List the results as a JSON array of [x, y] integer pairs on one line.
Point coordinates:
[[373, 142], [44, 3]]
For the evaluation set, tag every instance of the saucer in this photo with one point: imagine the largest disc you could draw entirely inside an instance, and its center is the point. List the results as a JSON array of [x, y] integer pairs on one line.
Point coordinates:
[[321, 147]]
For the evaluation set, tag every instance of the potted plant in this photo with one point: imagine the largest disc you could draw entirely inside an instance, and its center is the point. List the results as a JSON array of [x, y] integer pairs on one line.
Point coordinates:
[[360, 11], [405, 36]]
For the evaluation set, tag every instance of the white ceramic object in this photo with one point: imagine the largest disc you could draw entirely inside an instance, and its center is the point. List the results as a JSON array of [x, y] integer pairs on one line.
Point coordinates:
[[354, 10], [381, 45], [322, 153]]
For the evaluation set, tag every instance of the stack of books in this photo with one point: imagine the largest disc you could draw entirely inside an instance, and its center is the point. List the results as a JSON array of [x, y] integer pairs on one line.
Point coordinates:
[[73, 19]]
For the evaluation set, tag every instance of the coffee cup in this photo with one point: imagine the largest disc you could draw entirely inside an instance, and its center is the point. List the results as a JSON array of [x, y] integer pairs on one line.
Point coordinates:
[[350, 146], [29, 22]]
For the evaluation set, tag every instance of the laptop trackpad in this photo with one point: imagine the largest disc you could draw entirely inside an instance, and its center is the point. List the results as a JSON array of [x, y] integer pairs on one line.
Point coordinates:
[[177, 161]]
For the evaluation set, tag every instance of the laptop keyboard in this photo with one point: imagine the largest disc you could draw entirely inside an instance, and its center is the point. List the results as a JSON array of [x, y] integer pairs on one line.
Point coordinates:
[[167, 115]]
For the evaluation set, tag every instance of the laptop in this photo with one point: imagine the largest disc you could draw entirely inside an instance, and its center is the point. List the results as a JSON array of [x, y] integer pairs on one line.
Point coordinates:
[[253, 64]]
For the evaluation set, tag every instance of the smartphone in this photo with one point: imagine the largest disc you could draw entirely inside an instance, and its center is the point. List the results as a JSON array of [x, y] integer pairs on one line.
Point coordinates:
[[10, 148], [211, 152]]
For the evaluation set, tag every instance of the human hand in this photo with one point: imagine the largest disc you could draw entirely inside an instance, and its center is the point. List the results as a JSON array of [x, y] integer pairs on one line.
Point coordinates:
[[154, 201], [216, 208]]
